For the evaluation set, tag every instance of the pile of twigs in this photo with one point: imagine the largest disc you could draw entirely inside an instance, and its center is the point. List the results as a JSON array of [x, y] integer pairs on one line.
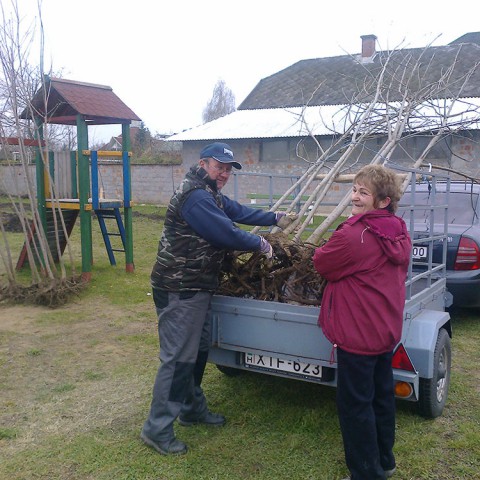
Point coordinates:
[[289, 277]]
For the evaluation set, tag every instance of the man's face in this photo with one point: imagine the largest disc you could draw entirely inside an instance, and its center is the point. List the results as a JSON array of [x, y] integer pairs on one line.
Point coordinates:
[[220, 172]]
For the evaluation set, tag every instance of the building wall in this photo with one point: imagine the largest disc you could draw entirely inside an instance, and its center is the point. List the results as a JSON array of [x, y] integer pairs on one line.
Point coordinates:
[[154, 184]]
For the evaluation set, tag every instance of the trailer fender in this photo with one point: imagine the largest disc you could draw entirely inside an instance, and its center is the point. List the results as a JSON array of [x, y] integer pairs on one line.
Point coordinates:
[[420, 338]]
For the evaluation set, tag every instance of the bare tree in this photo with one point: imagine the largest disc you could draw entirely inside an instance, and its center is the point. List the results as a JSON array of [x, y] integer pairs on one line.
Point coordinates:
[[222, 103], [418, 109], [19, 80], [390, 108], [16, 42]]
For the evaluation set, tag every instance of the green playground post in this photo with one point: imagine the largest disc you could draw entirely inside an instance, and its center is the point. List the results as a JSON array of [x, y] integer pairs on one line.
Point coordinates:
[[73, 169], [127, 195], [83, 193]]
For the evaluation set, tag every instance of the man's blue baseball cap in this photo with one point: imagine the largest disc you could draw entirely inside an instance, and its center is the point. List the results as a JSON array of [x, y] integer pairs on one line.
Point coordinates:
[[221, 152]]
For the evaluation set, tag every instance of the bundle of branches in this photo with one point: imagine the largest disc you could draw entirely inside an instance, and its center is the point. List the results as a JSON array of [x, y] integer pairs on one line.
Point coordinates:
[[397, 102], [52, 282], [289, 277]]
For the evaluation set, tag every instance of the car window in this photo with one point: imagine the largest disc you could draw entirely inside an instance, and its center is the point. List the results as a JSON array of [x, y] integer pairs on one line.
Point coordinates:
[[462, 207]]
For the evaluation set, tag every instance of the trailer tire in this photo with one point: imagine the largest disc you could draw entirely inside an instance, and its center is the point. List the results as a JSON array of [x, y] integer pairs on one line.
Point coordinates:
[[229, 371], [434, 391]]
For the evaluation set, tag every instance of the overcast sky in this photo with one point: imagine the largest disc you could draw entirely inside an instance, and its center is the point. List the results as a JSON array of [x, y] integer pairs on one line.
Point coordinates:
[[164, 57]]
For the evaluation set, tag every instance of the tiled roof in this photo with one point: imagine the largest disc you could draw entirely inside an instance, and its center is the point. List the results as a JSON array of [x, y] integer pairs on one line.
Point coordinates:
[[324, 92], [67, 98], [346, 79], [472, 37]]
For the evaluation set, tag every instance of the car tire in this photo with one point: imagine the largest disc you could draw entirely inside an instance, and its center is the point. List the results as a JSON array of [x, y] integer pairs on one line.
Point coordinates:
[[434, 391], [230, 371]]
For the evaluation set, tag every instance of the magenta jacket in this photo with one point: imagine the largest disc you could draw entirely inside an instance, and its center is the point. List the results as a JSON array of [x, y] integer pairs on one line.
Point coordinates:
[[365, 263]]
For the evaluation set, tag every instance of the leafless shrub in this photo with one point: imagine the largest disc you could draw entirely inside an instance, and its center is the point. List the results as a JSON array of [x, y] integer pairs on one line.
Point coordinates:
[[50, 283]]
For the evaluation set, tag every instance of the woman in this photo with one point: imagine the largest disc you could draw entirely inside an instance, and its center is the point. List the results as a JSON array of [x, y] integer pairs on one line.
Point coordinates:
[[365, 263]]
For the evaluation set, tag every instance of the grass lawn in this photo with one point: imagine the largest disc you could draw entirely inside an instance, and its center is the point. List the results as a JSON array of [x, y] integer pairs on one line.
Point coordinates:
[[75, 388]]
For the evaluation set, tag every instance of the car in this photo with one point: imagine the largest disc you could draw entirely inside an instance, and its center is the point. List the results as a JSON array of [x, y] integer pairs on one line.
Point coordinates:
[[463, 242]]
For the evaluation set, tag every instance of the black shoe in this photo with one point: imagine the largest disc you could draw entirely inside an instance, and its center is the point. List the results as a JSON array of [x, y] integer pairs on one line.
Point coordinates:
[[208, 418], [389, 473], [170, 447]]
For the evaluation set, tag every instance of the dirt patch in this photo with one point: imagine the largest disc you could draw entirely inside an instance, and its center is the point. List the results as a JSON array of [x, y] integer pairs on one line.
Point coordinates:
[[64, 370], [150, 216], [11, 222], [18, 319]]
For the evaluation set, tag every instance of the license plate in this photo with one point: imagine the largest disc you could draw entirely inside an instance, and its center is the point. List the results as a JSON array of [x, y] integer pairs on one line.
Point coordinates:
[[419, 252], [262, 362]]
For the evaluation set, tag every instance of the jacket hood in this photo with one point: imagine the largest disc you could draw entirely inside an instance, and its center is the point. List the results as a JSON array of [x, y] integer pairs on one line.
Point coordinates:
[[391, 232]]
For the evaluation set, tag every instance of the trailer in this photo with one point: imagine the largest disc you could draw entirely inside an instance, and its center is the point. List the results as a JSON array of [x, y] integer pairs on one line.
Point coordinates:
[[285, 340]]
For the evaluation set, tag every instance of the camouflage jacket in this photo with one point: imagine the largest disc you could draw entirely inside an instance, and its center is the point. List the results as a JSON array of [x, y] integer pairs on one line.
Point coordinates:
[[185, 261]]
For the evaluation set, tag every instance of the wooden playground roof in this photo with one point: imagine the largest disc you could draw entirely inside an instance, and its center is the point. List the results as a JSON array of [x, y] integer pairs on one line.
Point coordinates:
[[28, 142], [67, 98]]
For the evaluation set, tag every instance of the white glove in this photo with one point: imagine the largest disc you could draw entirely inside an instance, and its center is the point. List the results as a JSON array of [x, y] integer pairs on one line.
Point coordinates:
[[285, 219], [266, 248]]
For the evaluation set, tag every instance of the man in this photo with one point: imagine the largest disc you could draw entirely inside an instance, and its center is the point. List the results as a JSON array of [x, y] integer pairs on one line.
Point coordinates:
[[199, 228]]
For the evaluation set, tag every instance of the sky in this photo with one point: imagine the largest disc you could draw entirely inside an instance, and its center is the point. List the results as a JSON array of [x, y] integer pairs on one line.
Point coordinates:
[[164, 57]]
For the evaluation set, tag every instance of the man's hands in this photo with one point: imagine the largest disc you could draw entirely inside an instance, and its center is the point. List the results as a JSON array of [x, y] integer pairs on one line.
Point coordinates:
[[266, 248], [285, 219]]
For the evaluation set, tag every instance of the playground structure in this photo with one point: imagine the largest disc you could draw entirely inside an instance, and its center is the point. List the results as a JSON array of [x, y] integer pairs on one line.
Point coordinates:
[[82, 104]]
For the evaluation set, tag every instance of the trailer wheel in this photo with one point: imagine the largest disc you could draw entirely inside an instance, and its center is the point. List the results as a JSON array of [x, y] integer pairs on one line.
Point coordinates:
[[434, 391], [230, 371]]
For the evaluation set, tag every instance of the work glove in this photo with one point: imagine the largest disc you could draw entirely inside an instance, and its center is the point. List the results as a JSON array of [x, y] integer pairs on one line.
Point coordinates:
[[285, 219], [266, 248]]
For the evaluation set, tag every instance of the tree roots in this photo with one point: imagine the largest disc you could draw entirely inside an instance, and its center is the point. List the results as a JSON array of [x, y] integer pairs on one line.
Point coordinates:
[[49, 292], [289, 277]]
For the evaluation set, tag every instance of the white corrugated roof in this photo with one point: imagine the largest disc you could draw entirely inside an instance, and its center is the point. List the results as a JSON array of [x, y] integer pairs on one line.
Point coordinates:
[[324, 120], [264, 123]]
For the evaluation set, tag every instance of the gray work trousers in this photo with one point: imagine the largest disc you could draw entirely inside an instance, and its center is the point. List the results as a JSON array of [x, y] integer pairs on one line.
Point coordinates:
[[184, 335]]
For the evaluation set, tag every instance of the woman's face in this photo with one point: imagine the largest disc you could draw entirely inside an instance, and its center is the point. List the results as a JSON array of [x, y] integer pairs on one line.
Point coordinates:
[[362, 199]]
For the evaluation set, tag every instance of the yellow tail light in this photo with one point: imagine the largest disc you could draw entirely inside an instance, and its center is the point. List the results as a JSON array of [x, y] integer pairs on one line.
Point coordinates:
[[403, 389]]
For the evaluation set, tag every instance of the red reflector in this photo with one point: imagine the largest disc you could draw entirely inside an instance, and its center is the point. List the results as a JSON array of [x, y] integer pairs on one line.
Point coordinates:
[[468, 255], [401, 360]]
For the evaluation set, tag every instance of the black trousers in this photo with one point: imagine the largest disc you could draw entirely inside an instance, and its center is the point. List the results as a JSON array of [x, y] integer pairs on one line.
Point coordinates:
[[366, 409]]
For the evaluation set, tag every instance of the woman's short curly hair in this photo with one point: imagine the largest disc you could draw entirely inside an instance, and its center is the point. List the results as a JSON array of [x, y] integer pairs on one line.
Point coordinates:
[[383, 182]]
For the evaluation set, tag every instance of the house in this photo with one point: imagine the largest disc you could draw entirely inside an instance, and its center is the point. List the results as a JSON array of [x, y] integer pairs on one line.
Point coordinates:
[[290, 116], [115, 143], [155, 147]]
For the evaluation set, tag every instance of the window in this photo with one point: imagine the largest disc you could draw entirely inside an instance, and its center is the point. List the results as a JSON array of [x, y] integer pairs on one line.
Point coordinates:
[[275, 151], [289, 150]]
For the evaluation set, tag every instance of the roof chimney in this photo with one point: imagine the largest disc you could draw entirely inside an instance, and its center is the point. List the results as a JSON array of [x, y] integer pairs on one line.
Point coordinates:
[[368, 48]]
